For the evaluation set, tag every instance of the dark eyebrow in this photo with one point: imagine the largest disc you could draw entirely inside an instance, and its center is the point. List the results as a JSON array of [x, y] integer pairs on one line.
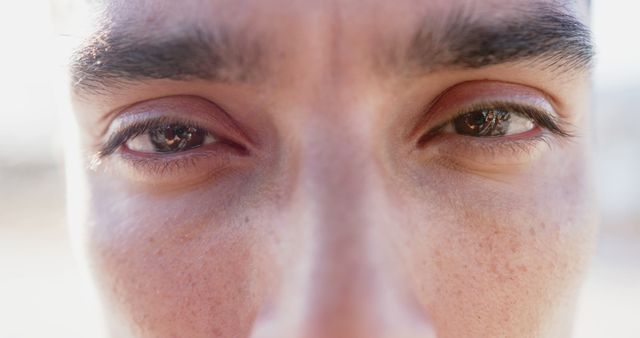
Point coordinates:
[[541, 33], [114, 58]]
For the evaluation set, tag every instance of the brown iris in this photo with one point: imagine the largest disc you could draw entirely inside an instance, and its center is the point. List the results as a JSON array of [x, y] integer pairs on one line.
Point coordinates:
[[176, 137], [486, 122]]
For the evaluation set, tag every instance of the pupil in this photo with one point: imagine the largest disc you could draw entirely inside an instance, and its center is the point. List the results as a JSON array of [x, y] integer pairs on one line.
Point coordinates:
[[181, 131], [479, 118]]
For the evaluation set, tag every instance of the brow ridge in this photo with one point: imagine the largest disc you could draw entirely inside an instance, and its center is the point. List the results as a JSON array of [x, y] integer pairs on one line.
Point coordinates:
[[116, 58], [543, 34]]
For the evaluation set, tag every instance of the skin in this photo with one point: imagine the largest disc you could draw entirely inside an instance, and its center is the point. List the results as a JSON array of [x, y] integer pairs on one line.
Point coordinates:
[[335, 222]]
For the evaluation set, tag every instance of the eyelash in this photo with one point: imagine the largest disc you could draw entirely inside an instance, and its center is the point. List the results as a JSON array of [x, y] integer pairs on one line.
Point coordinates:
[[487, 146], [495, 150], [538, 116], [122, 136], [158, 168]]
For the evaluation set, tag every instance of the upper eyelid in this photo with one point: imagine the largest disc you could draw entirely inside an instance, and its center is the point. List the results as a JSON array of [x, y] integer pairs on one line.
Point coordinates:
[[469, 93], [188, 108]]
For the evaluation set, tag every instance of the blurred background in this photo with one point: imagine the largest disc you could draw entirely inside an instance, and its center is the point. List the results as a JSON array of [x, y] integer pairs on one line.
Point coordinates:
[[42, 292]]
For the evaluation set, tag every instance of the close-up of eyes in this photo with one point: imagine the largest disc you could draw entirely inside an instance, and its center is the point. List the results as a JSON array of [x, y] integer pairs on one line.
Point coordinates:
[[498, 119], [169, 126], [170, 138], [490, 136], [483, 130], [159, 136], [491, 123], [164, 136]]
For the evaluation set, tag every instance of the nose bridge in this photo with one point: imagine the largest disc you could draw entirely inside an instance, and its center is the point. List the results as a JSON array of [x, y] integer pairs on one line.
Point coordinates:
[[340, 282], [340, 183]]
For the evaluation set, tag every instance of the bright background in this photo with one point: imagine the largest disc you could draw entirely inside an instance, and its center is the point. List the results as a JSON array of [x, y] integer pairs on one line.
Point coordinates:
[[42, 292]]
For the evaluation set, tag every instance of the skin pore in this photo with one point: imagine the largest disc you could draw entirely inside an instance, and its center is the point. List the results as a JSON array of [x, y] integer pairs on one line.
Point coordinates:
[[413, 168]]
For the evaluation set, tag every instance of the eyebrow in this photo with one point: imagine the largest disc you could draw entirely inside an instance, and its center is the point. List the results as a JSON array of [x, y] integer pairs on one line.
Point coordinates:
[[114, 58], [541, 33]]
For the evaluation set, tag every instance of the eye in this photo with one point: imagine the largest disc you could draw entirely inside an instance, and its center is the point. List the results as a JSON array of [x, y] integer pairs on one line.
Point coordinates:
[[173, 141], [490, 126], [490, 122], [498, 119], [170, 138]]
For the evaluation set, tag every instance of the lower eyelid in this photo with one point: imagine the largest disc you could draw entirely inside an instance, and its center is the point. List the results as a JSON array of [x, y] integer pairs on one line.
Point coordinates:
[[164, 166], [488, 152], [174, 169]]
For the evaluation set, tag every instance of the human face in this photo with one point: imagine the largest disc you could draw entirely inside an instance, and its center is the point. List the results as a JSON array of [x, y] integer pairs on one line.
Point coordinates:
[[334, 168]]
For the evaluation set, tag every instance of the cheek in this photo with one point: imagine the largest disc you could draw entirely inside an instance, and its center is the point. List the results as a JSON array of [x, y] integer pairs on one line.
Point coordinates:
[[502, 258], [177, 264]]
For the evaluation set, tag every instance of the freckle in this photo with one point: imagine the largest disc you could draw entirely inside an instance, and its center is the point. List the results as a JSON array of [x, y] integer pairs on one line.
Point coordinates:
[[494, 267], [151, 240], [439, 264], [246, 219], [509, 268], [532, 231], [514, 245]]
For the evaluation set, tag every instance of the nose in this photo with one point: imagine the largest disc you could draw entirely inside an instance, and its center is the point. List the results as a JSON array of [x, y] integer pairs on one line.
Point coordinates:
[[341, 277]]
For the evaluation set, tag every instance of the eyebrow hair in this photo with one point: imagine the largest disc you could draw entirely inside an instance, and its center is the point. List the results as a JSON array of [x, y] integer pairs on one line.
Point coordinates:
[[114, 58], [540, 33]]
